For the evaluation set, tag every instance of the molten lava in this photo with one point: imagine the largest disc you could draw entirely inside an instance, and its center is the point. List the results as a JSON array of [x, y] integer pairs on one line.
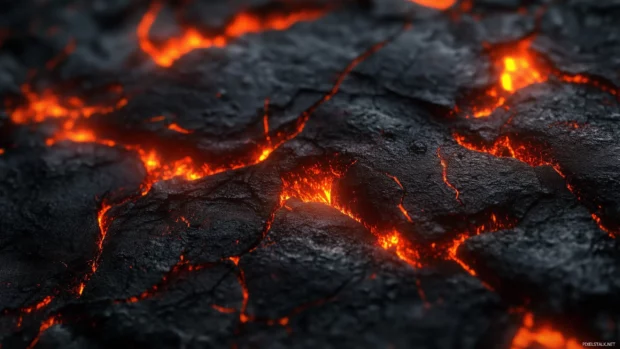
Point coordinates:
[[176, 128], [48, 105], [35, 307], [436, 4], [241, 24], [103, 223], [493, 224], [506, 146], [315, 184], [444, 175], [47, 323], [543, 336], [517, 70], [521, 68], [401, 207]]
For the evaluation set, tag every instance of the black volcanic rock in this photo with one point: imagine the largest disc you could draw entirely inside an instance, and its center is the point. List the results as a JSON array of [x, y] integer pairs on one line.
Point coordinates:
[[582, 38], [319, 181], [557, 259], [50, 199]]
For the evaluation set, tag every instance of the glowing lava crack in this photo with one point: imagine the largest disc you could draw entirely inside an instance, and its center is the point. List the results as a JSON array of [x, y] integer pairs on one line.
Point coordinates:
[[191, 39]]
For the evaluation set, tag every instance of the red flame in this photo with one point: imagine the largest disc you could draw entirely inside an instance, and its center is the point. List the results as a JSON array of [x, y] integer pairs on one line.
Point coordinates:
[[191, 39]]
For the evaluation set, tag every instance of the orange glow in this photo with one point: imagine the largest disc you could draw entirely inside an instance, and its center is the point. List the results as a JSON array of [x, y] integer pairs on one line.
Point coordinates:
[[516, 70], [543, 336], [314, 184], [184, 220], [181, 265], [507, 147], [422, 294], [266, 121], [241, 24], [444, 174], [103, 229], [584, 80], [47, 323], [35, 307], [40, 305], [243, 315], [48, 105], [179, 129], [234, 259], [436, 4], [401, 207], [519, 69], [69, 48], [186, 168], [224, 310], [405, 213], [157, 169], [493, 224], [519, 73], [1, 151]]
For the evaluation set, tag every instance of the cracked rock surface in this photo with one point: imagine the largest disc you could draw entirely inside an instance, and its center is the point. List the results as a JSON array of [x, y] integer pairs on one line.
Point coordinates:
[[309, 174]]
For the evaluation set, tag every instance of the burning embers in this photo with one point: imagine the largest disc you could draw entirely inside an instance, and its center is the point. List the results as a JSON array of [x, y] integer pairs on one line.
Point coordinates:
[[166, 53]]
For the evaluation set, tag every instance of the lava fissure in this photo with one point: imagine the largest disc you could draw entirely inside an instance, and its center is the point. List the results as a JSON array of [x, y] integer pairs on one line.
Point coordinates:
[[103, 222], [533, 155], [444, 175], [492, 224], [241, 24], [182, 265], [529, 334], [47, 323], [401, 207], [519, 66], [315, 184], [21, 312]]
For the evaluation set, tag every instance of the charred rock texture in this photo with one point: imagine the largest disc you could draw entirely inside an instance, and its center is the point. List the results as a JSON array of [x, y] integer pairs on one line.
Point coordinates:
[[309, 174]]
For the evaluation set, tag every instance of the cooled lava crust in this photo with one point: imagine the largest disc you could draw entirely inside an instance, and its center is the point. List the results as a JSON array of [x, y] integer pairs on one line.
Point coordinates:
[[309, 174]]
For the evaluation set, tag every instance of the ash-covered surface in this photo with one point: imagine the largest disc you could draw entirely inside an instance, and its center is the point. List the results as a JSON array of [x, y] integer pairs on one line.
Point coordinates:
[[309, 174]]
